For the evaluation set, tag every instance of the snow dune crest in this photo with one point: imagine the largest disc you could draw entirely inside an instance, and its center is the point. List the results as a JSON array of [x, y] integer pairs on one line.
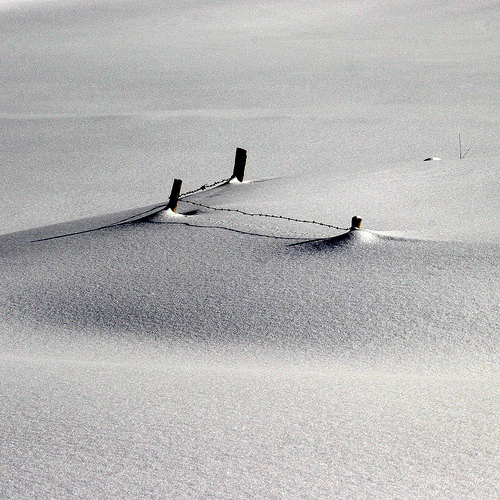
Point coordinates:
[[217, 354]]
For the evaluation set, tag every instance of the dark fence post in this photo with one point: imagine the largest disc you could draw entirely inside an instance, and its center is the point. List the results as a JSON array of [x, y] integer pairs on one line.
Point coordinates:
[[239, 164], [174, 195], [355, 223]]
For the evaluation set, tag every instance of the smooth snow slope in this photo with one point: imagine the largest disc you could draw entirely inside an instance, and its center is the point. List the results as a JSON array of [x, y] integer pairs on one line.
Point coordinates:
[[219, 355], [101, 101], [228, 276]]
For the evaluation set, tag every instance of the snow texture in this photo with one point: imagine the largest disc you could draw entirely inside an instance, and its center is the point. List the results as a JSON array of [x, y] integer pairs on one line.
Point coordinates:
[[217, 352]]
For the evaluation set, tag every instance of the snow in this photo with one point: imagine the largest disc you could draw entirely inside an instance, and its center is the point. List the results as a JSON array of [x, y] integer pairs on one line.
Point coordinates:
[[226, 355], [215, 351], [166, 214]]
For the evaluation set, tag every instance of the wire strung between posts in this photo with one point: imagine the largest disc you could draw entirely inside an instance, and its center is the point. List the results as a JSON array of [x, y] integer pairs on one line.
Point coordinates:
[[156, 207], [134, 216], [205, 186], [163, 205], [160, 205], [265, 215]]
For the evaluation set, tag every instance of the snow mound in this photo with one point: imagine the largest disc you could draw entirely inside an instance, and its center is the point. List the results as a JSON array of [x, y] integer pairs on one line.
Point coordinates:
[[356, 237], [165, 216]]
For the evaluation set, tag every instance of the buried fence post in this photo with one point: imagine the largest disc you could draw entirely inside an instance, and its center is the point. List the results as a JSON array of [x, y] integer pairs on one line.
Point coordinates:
[[355, 223], [174, 195], [239, 164]]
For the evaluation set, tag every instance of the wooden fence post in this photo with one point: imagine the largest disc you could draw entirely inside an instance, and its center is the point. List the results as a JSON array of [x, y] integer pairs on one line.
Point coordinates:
[[239, 164], [174, 195], [355, 223]]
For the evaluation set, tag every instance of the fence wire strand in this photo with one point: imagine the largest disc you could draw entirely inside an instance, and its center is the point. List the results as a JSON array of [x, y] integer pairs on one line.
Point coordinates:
[[181, 199], [270, 216], [205, 186]]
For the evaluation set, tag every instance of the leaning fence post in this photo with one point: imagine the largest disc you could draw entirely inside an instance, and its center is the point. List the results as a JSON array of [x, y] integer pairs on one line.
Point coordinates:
[[174, 195], [239, 164], [355, 223]]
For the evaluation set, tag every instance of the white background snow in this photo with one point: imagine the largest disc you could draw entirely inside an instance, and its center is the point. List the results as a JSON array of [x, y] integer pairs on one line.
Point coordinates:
[[219, 355]]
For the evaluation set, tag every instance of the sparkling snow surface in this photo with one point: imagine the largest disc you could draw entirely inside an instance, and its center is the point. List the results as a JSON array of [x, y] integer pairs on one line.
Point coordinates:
[[211, 354]]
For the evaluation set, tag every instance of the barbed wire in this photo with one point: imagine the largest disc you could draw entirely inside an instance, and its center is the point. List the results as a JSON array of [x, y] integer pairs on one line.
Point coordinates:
[[165, 204], [270, 216], [205, 186], [159, 206]]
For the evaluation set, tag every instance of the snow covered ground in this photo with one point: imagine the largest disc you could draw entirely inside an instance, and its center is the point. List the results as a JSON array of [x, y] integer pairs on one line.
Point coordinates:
[[221, 355]]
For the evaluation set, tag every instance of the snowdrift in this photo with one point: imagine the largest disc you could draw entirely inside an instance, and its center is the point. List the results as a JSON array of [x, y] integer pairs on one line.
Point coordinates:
[[224, 276], [216, 354], [213, 353]]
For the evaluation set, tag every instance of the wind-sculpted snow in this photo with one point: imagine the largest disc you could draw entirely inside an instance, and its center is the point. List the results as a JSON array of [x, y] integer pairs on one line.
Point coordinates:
[[228, 278], [233, 350], [148, 354]]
